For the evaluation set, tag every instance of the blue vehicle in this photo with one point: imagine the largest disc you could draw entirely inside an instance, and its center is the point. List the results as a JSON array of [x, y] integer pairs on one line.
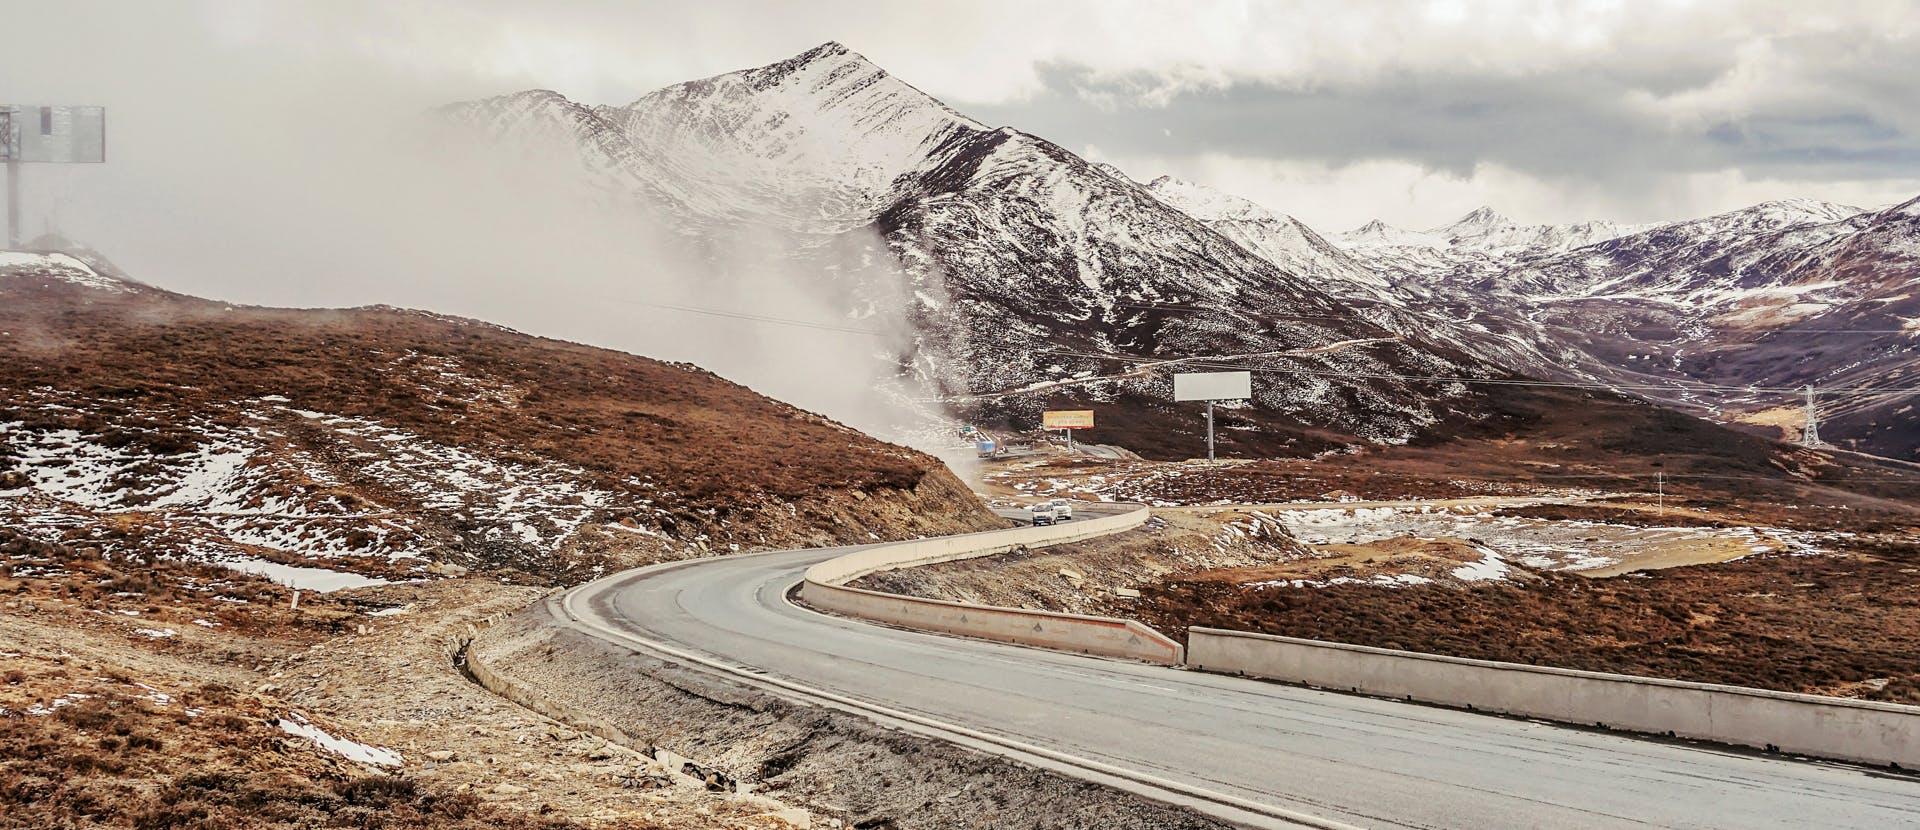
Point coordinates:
[[986, 447]]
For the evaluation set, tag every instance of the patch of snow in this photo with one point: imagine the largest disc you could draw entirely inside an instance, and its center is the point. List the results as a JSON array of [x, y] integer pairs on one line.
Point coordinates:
[[1490, 567], [318, 580], [295, 724], [58, 266]]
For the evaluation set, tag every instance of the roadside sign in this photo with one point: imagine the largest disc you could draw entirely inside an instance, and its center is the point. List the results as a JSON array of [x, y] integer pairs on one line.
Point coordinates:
[[1213, 386], [1067, 419]]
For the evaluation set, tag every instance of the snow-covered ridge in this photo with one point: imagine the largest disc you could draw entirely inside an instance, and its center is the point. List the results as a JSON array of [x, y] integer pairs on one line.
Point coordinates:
[[30, 264], [815, 143], [821, 136], [1281, 239]]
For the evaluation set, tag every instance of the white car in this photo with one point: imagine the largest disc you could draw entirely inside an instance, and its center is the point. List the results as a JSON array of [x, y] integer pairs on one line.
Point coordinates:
[[1062, 510], [1042, 513]]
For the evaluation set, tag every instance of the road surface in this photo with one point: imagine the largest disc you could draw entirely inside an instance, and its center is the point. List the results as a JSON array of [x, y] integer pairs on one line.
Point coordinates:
[[1344, 758]]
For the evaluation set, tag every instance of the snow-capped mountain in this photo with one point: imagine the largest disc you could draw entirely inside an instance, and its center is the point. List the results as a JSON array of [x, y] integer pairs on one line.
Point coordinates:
[[1695, 261], [1479, 243], [1031, 274], [1774, 296], [1033, 277], [1691, 313], [1280, 239]]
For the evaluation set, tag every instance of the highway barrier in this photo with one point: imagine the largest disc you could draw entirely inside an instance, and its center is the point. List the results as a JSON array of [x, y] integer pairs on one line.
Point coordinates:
[[825, 588], [1827, 727]]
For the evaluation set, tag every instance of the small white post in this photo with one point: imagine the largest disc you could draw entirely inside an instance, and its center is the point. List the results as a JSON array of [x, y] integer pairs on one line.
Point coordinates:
[[296, 599], [1660, 491]]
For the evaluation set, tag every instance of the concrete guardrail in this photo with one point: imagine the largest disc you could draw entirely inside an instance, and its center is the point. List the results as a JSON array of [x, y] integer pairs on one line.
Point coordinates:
[[825, 588], [1827, 727]]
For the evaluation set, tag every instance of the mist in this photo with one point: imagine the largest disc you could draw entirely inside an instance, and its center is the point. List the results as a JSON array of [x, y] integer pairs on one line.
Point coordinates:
[[318, 174]]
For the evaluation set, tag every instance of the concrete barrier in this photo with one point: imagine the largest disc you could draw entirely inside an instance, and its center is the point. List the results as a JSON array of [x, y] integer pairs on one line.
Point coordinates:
[[825, 588], [1827, 727]]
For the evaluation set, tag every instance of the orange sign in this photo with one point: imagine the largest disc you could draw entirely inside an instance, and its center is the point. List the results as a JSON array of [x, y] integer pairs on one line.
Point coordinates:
[[1067, 419]]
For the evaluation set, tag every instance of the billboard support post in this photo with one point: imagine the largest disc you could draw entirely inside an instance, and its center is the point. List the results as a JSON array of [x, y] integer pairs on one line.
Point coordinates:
[[13, 202], [1209, 432], [13, 177]]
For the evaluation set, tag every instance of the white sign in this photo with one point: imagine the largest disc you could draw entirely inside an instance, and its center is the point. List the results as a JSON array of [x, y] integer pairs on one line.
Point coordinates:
[[67, 135], [1213, 386]]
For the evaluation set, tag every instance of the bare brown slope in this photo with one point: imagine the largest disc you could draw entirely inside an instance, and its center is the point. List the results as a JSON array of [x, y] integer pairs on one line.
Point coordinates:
[[684, 452]]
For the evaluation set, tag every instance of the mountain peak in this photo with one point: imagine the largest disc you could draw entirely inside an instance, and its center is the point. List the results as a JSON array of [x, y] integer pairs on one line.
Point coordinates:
[[831, 51], [1207, 204], [1481, 217]]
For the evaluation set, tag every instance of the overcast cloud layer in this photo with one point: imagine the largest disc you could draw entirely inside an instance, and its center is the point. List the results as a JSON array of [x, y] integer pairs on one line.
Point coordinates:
[[1335, 112]]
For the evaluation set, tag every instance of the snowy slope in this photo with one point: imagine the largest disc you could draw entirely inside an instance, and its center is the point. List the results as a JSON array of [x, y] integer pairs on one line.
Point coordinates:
[[818, 138], [1701, 260], [31, 266], [1278, 238]]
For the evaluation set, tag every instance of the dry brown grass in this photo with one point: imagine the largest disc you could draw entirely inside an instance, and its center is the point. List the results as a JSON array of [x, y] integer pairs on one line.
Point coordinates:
[[112, 760], [148, 361], [1823, 624]]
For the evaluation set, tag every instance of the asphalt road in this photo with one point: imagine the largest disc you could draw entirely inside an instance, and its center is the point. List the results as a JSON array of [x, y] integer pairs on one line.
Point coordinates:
[[1373, 763]]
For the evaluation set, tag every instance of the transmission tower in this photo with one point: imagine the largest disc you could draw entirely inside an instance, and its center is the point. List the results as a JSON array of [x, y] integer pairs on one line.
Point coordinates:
[[1810, 436]]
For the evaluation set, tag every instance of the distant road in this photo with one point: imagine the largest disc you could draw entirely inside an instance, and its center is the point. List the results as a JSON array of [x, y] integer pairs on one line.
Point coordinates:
[[1404, 504], [1358, 760]]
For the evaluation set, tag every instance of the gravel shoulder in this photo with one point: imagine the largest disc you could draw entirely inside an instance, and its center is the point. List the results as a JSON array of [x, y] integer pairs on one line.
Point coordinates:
[[844, 770]]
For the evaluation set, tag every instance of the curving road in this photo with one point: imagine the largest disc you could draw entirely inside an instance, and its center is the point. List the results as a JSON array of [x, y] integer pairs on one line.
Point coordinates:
[[1342, 758]]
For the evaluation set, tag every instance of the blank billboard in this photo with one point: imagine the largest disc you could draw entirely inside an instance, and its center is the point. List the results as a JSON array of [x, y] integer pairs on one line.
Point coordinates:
[[62, 135], [1212, 386]]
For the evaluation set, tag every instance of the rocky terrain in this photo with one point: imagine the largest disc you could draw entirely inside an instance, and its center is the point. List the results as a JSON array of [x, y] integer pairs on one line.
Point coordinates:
[[356, 446]]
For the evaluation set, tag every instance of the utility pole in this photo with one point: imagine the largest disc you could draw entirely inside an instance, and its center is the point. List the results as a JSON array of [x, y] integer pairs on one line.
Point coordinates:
[[1810, 437]]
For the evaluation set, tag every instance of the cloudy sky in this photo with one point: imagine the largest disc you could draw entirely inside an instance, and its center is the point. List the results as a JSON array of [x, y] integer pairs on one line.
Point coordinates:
[[1336, 112]]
